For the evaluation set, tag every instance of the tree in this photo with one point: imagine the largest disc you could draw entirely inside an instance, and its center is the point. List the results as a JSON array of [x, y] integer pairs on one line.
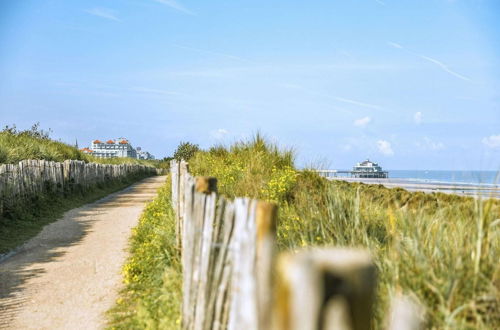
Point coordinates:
[[186, 150]]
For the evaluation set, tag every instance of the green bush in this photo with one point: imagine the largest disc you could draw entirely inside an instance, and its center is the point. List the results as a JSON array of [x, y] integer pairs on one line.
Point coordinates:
[[186, 151]]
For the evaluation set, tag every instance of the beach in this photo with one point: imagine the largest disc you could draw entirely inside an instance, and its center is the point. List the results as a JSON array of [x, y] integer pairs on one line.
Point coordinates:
[[463, 189]]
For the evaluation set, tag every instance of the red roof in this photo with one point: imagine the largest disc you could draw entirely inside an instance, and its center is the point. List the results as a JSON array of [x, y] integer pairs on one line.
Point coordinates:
[[123, 142], [110, 142], [86, 150], [96, 141]]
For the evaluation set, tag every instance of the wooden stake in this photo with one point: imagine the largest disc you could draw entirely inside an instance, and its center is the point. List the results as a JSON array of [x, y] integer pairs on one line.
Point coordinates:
[[206, 184], [325, 289]]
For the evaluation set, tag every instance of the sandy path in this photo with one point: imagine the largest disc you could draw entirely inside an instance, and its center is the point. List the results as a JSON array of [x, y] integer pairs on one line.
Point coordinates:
[[69, 275]]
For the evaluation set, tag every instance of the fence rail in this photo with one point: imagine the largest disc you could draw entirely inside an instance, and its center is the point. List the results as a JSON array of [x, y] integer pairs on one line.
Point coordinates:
[[21, 182], [233, 278]]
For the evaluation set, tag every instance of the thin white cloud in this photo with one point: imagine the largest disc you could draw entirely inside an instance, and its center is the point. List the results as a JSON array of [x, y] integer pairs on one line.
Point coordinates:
[[380, 2], [177, 6], [219, 133], [492, 141], [440, 64], [103, 13], [395, 45], [445, 67], [346, 147], [336, 98], [429, 144], [362, 122], [211, 52], [153, 91], [361, 104], [385, 147], [417, 117]]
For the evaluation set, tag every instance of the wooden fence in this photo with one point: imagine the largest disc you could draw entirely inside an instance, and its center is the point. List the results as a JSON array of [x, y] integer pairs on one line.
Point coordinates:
[[21, 182], [233, 278]]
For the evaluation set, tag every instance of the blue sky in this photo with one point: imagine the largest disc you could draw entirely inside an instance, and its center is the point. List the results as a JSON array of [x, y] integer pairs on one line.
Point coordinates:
[[410, 84]]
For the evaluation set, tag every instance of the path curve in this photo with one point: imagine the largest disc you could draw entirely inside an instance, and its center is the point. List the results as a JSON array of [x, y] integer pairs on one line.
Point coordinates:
[[69, 274]]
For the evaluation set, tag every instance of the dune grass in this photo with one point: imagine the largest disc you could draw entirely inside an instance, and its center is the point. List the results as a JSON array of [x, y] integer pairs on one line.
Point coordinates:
[[442, 250], [152, 295]]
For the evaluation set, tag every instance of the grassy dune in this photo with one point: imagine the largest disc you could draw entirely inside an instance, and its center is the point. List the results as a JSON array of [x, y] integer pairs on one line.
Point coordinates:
[[443, 250], [16, 146]]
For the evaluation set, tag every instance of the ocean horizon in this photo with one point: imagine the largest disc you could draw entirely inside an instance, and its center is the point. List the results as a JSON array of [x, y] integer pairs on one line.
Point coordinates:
[[490, 178], [461, 177]]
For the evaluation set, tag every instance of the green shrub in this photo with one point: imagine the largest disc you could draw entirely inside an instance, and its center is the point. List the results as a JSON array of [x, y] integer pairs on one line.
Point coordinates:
[[186, 151]]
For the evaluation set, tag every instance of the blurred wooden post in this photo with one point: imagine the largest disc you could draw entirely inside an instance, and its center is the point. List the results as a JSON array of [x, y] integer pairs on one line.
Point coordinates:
[[220, 269], [207, 186], [199, 216], [183, 178], [325, 289], [266, 221], [179, 174], [253, 250], [175, 176], [406, 314]]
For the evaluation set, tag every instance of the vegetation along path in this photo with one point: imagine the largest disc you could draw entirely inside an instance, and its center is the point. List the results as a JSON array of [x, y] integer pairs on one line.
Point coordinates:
[[69, 275]]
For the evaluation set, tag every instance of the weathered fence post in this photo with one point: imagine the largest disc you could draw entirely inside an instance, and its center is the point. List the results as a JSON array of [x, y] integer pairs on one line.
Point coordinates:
[[174, 175], [197, 224], [184, 176], [406, 314], [266, 221], [179, 174], [325, 289], [252, 257]]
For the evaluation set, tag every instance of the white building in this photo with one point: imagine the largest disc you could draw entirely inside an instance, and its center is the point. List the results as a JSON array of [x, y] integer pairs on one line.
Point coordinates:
[[368, 169], [120, 147], [143, 154]]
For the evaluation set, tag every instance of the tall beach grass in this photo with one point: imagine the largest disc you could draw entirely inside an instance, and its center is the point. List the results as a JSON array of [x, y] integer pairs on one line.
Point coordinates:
[[442, 250]]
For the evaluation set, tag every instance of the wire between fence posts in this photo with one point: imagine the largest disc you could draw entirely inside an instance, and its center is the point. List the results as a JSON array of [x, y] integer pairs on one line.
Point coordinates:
[[325, 289]]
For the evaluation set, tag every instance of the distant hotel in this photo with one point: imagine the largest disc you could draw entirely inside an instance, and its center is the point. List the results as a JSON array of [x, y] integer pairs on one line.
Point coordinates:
[[368, 169], [365, 169], [116, 148]]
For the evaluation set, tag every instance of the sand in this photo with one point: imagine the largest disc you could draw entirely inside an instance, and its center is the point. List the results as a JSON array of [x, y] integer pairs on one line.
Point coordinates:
[[484, 191]]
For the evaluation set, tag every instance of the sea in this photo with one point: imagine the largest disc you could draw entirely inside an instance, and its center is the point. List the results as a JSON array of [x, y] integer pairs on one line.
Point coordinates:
[[482, 178]]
